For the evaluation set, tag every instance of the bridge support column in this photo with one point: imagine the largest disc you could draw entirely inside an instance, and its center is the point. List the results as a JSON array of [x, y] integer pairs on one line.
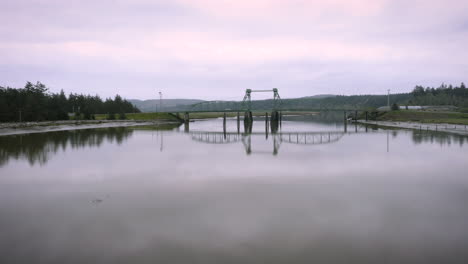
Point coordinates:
[[238, 123], [355, 116], [367, 116], [280, 118], [248, 122], [248, 117], [275, 116], [224, 125], [275, 121], [266, 125], [345, 122], [186, 122]]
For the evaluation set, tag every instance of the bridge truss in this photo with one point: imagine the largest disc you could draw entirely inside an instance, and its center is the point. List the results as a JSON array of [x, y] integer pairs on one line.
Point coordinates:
[[247, 101]]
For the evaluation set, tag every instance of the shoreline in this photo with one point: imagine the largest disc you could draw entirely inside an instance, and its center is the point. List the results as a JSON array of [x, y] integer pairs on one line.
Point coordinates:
[[7, 129], [435, 127]]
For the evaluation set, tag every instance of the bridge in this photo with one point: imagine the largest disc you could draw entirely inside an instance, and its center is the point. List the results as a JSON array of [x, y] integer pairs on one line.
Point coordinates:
[[273, 116], [273, 122]]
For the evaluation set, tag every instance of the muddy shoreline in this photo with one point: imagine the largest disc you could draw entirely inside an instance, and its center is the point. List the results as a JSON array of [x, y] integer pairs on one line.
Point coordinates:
[[436, 127], [50, 126]]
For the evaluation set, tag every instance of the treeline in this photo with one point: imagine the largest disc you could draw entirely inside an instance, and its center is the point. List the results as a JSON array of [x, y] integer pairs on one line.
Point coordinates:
[[442, 95], [35, 103], [345, 102]]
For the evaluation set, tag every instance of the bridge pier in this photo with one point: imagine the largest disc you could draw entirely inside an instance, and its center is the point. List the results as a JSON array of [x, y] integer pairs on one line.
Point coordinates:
[[280, 118], [266, 125], [248, 122], [275, 121], [275, 116], [224, 125], [186, 122], [238, 123], [345, 122], [248, 117]]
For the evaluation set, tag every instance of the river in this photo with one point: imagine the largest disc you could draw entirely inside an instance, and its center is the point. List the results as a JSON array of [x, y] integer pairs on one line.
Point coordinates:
[[311, 193]]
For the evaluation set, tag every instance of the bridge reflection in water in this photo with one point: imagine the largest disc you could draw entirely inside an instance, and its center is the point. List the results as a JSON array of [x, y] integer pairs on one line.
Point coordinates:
[[273, 129], [298, 138]]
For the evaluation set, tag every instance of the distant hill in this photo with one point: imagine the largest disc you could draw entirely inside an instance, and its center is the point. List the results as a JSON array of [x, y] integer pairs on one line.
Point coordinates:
[[167, 104], [322, 101], [314, 102], [319, 96]]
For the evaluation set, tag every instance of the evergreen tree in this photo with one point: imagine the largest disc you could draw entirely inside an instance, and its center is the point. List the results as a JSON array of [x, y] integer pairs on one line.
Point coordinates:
[[35, 103]]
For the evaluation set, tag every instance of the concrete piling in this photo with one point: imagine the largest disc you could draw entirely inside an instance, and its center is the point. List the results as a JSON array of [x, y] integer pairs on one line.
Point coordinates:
[[248, 122], [280, 118], [224, 125], [238, 123], [345, 122], [186, 122]]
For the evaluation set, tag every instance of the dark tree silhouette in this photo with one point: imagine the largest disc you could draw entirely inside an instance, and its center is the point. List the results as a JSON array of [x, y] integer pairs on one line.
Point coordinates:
[[35, 103]]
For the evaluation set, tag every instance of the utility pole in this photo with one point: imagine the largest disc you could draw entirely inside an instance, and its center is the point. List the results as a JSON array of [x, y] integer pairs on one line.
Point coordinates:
[[160, 101], [388, 99]]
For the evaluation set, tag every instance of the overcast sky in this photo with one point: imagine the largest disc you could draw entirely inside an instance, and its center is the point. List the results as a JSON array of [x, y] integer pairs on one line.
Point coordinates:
[[215, 49]]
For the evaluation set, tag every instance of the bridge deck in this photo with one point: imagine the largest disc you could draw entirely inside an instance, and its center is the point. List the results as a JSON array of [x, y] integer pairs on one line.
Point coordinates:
[[265, 110]]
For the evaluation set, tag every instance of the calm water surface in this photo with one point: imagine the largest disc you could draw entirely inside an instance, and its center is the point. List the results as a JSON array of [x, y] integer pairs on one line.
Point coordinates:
[[310, 194]]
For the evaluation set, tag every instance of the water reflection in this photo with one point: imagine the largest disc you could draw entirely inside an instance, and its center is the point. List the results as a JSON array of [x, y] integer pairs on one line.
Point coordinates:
[[37, 148], [439, 138], [297, 138], [348, 201]]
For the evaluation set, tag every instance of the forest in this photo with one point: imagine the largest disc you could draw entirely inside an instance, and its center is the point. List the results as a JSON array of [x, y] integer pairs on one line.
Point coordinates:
[[34, 102], [442, 95]]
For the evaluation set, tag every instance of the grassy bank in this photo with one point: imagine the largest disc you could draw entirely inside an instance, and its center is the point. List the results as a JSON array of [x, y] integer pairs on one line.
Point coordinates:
[[424, 117]]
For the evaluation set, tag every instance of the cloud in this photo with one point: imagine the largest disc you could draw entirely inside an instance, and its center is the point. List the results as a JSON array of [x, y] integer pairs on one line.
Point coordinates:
[[215, 46]]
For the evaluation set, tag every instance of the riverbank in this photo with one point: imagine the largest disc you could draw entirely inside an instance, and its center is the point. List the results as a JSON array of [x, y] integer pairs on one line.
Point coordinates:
[[437, 127], [424, 117], [50, 126]]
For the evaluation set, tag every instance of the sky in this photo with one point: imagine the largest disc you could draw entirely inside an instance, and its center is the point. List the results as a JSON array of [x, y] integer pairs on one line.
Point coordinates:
[[215, 49]]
